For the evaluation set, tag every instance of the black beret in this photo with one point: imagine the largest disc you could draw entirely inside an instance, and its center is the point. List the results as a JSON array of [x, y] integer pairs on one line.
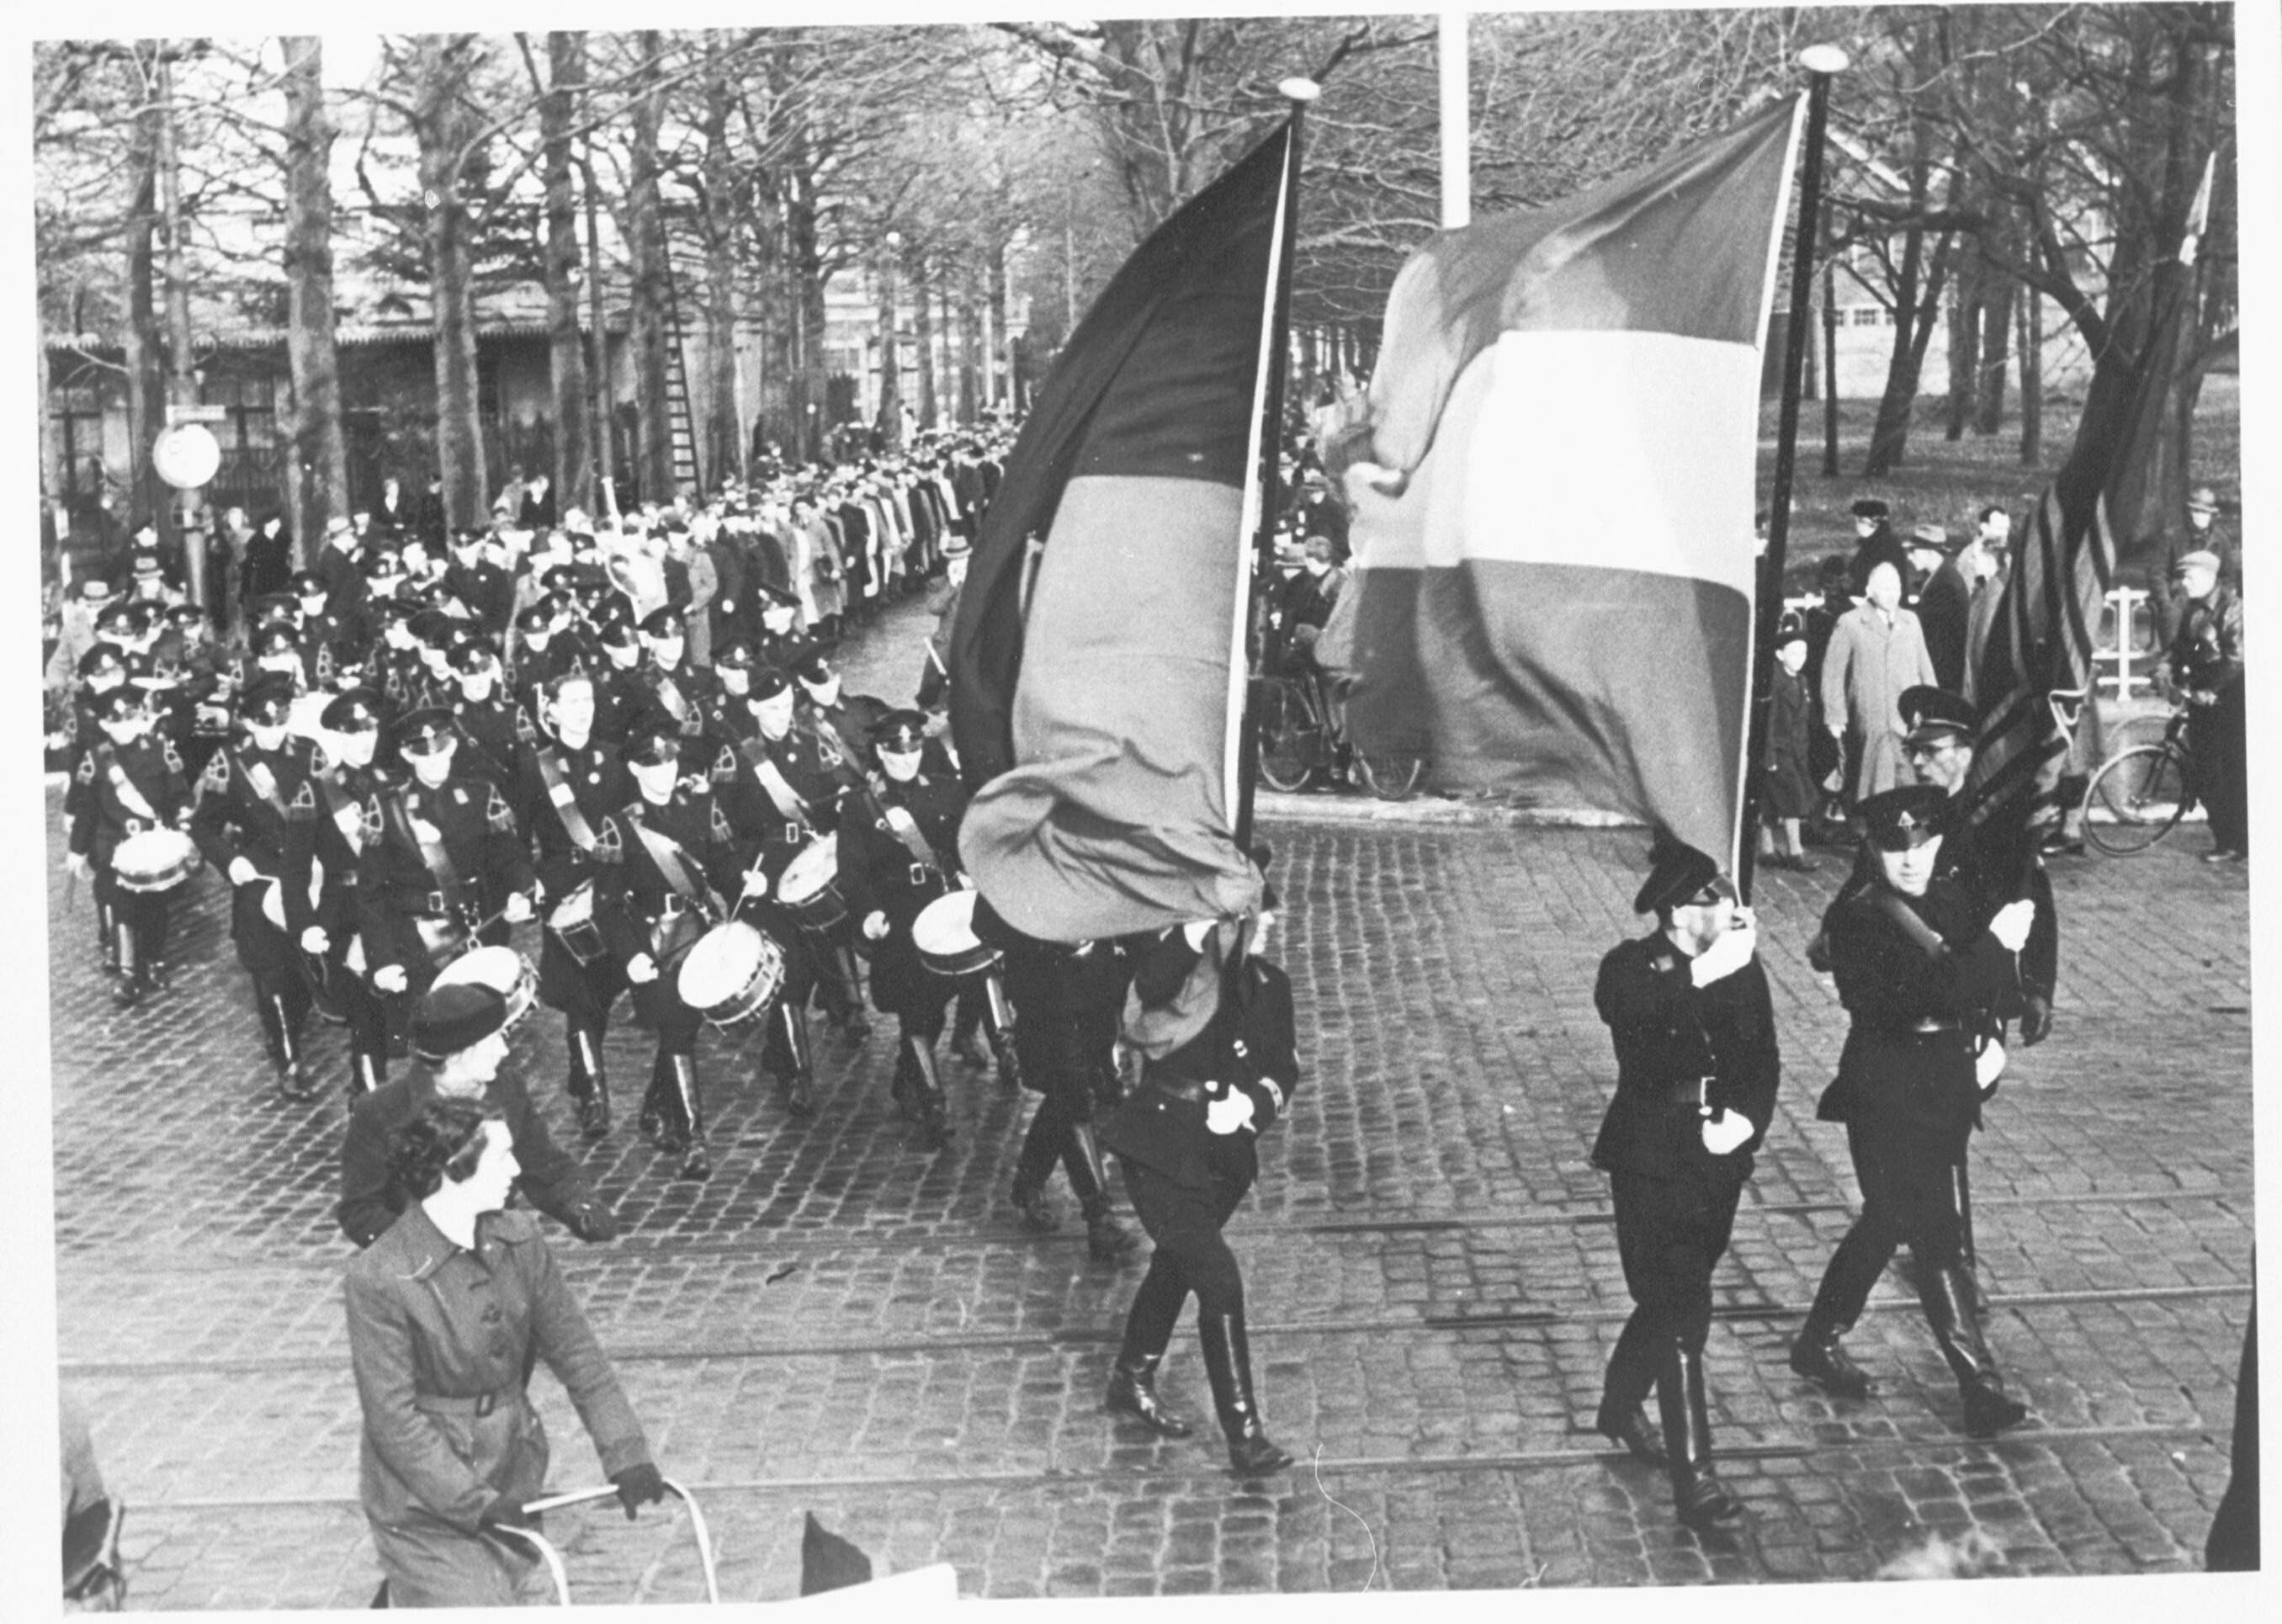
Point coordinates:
[[266, 699], [733, 654], [768, 683], [1677, 872], [651, 743], [780, 595], [276, 638], [456, 1016], [358, 711], [305, 583], [120, 702], [471, 653], [1929, 712], [534, 618], [99, 657], [1906, 817], [425, 731], [430, 625], [811, 664], [662, 624], [559, 577], [615, 633]]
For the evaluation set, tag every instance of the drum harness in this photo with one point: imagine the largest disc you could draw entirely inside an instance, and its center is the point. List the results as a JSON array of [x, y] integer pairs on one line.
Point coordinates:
[[696, 896], [447, 901], [125, 789], [789, 801]]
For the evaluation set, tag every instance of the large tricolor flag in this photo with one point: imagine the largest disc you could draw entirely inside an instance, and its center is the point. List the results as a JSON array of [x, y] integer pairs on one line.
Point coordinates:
[[1095, 705], [1558, 603]]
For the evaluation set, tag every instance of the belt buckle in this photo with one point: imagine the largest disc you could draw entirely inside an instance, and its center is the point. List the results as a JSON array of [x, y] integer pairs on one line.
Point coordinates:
[[485, 1404], [793, 833], [438, 905], [674, 906], [920, 874]]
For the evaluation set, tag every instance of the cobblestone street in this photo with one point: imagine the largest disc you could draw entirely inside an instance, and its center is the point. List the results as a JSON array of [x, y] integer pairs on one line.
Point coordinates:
[[841, 1322]]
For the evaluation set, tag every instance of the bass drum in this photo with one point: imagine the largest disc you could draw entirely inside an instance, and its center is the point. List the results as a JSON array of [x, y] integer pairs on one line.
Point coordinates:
[[732, 974], [503, 970], [154, 860]]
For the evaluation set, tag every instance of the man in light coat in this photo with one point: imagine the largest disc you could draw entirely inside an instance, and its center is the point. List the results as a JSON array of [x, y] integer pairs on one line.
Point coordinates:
[[1876, 650]]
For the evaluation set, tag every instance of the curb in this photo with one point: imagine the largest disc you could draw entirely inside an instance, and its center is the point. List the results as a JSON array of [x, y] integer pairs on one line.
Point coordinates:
[[1428, 811]]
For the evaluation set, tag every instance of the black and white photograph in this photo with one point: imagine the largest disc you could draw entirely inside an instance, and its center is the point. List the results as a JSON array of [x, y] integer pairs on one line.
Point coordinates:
[[920, 809]]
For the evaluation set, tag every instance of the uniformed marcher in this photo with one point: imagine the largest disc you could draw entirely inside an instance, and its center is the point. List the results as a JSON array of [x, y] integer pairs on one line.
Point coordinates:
[[128, 782], [673, 692], [448, 1312], [1919, 971], [550, 1177], [573, 782], [351, 776], [899, 852], [257, 825], [673, 868], [493, 731], [443, 865], [2206, 662], [1212, 1022], [1697, 1065]]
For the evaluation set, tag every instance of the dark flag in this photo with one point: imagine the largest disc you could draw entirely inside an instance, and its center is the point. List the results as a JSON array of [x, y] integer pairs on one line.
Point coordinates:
[[1092, 701]]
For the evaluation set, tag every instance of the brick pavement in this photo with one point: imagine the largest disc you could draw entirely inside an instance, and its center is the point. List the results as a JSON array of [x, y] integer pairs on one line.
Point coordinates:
[[839, 1322]]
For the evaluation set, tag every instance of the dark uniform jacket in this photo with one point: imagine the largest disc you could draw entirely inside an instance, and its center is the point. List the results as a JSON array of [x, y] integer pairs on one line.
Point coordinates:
[[815, 775], [491, 736], [1903, 964], [846, 726], [657, 896], [592, 781], [551, 1179], [262, 806], [103, 813], [2206, 652], [676, 699], [1993, 878], [878, 870], [1680, 1048], [406, 911], [442, 1341]]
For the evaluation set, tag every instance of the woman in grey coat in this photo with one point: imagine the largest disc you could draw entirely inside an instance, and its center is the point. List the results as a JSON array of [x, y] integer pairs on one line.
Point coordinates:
[[1876, 650]]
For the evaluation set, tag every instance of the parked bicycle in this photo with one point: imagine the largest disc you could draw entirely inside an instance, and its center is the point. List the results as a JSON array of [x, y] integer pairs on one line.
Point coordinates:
[[1300, 739], [2142, 793]]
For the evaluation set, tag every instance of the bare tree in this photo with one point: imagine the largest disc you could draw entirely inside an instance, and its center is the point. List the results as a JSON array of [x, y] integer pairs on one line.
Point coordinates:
[[448, 134], [558, 113], [321, 466]]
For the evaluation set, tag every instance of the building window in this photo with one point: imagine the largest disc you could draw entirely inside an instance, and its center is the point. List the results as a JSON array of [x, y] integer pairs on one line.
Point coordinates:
[[1867, 315], [79, 440], [252, 405]]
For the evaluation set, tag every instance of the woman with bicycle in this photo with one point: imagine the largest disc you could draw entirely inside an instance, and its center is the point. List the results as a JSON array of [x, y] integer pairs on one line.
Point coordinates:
[[447, 1312]]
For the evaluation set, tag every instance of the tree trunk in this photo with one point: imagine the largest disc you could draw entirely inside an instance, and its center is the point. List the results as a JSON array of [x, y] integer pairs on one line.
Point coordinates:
[[923, 317], [645, 248], [890, 417], [1996, 354], [600, 390], [1001, 351], [566, 353], [725, 435], [144, 385], [806, 263], [1830, 354], [320, 459], [181, 382], [970, 340], [1966, 310], [442, 125], [2032, 379], [779, 356]]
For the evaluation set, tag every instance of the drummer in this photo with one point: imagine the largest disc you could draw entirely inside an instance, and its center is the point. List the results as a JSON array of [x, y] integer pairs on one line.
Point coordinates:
[[674, 868], [783, 786], [129, 782], [257, 825], [570, 781], [491, 733], [899, 852], [672, 691], [443, 865], [843, 720], [460, 1031], [349, 776]]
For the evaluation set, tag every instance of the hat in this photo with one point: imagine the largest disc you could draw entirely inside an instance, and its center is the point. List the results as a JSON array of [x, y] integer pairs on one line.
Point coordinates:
[[780, 595], [471, 653], [734, 656], [425, 731], [275, 606], [267, 700], [1931, 535], [662, 625], [118, 620], [651, 743], [1869, 507], [617, 632], [811, 666], [358, 711], [118, 704], [145, 565], [1791, 629], [1931, 713], [900, 731], [559, 577], [956, 547], [1833, 569], [2203, 499], [2202, 558], [276, 637], [534, 618], [1906, 817], [1677, 874], [393, 608], [305, 583], [456, 1016], [768, 683], [184, 612], [94, 590], [431, 626], [100, 657]]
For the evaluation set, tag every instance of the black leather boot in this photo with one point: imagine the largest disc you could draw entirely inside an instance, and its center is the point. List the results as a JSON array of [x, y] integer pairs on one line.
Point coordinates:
[[844, 998], [1948, 1297], [367, 1072], [798, 1085], [293, 1080], [1817, 1356], [1228, 1367], [966, 1035], [927, 1104], [1031, 1206], [1700, 1499], [133, 976], [1107, 1241], [694, 1161], [1633, 1366], [590, 1086], [1133, 1392], [106, 937]]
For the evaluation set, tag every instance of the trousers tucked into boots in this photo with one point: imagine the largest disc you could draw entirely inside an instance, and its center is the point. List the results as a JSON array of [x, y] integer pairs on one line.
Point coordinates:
[[1696, 1495]]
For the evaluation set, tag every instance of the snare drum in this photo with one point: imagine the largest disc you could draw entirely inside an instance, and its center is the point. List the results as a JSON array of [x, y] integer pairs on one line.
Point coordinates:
[[810, 888], [944, 935], [732, 973], [572, 921], [503, 970], [155, 860]]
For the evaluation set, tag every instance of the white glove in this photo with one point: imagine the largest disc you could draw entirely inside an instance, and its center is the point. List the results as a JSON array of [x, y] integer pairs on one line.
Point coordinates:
[[1197, 930], [313, 940], [1229, 1111], [517, 909], [1726, 1132], [757, 881], [389, 978], [240, 872], [77, 864], [641, 969], [875, 925], [1728, 954], [2011, 925]]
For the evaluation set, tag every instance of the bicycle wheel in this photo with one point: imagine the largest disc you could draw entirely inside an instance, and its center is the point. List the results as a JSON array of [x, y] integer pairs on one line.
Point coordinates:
[[1290, 738], [2135, 799], [1390, 775]]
